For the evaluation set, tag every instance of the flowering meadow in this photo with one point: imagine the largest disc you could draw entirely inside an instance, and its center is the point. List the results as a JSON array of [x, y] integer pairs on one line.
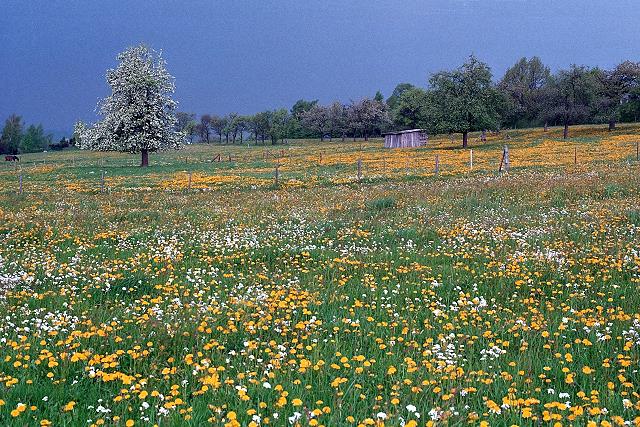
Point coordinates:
[[201, 292]]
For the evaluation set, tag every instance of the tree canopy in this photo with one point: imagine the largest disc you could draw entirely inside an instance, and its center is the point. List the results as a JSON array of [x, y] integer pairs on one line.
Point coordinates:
[[464, 100], [139, 116]]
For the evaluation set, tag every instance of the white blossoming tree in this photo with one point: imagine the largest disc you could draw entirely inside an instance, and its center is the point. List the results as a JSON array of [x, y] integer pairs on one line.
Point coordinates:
[[139, 116]]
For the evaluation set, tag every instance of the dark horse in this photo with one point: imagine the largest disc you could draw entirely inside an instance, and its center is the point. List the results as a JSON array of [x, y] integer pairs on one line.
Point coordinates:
[[11, 158]]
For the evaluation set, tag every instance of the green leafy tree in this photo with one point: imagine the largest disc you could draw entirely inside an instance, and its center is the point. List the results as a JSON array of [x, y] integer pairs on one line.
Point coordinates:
[[11, 135], [523, 86], [34, 140], [278, 124], [411, 109], [464, 100], [397, 92], [571, 96]]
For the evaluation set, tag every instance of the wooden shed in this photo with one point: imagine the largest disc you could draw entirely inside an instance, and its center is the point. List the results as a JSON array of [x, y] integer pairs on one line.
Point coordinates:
[[405, 138]]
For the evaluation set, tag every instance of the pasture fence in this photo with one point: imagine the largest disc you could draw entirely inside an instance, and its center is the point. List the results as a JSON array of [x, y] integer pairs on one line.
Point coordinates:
[[302, 167]]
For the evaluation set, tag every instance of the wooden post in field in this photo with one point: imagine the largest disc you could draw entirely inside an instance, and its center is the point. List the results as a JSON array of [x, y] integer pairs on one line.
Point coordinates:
[[102, 182], [637, 150], [437, 165], [471, 159], [359, 168], [276, 174], [575, 156], [189, 188], [505, 159], [320, 162]]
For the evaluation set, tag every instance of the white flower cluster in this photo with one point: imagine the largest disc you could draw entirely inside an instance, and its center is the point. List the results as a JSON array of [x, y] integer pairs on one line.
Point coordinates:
[[633, 334], [8, 281]]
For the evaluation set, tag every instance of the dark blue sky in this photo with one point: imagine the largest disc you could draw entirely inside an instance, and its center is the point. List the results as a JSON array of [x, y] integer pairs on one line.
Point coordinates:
[[247, 56]]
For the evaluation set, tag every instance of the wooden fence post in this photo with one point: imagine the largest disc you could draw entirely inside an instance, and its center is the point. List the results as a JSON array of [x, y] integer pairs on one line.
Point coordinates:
[[359, 168], [471, 159], [102, 182], [276, 174], [505, 159], [507, 163], [437, 166], [189, 188], [575, 156], [637, 150]]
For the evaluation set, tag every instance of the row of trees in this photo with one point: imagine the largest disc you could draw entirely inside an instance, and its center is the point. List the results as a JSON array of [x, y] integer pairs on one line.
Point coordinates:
[[466, 99], [17, 139], [306, 119], [462, 100]]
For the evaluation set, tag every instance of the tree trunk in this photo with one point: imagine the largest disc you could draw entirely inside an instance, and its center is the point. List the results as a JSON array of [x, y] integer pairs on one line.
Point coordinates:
[[565, 132], [612, 124], [465, 138], [145, 158], [546, 126], [483, 136], [366, 136], [321, 138]]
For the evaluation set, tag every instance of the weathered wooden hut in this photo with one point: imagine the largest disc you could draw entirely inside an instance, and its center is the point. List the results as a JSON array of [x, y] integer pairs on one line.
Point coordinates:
[[405, 138]]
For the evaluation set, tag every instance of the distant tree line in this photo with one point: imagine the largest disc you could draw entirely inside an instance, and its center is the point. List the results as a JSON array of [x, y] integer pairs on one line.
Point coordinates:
[[16, 139], [306, 119], [466, 99], [462, 100]]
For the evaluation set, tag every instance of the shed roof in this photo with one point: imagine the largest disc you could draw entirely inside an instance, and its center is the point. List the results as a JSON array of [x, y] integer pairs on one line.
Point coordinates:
[[403, 131]]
